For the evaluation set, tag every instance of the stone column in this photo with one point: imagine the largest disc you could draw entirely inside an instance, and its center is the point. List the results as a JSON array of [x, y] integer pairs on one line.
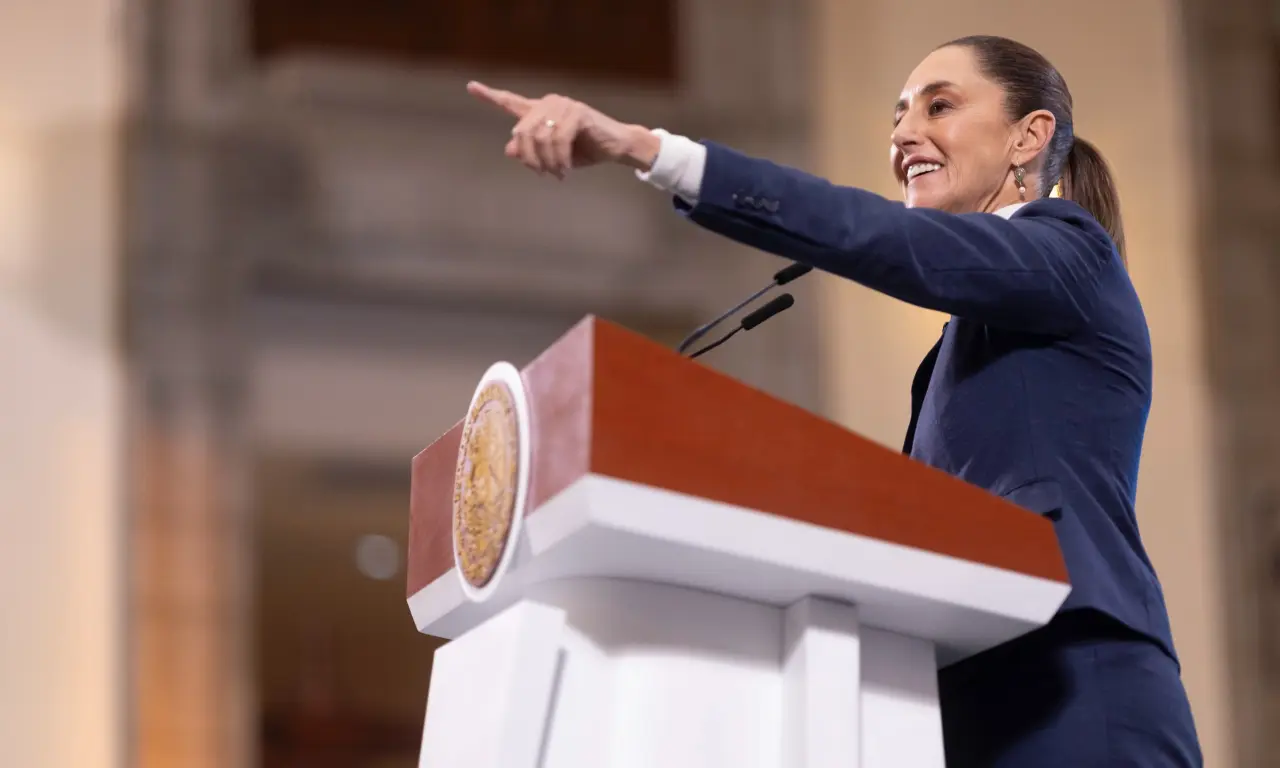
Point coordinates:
[[189, 459], [61, 699], [1234, 69], [191, 542], [190, 452]]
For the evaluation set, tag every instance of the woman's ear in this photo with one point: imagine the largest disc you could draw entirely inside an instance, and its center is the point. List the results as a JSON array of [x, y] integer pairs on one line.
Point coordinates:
[[1033, 134]]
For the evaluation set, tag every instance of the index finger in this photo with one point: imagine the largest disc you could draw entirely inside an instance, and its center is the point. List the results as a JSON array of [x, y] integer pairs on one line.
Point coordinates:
[[512, 103]]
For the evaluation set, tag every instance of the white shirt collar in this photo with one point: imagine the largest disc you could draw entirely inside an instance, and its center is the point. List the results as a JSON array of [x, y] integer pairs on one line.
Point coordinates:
[[1009, 210]]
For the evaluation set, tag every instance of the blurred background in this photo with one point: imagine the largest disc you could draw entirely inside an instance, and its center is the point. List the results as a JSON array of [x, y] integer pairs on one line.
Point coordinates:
[[255, 254]]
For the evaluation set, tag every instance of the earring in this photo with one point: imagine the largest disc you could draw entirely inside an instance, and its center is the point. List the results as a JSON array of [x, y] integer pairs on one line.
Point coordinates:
[[1019, 177]]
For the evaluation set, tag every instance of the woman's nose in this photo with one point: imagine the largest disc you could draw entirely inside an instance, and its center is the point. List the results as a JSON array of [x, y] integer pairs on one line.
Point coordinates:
[[907, 132]]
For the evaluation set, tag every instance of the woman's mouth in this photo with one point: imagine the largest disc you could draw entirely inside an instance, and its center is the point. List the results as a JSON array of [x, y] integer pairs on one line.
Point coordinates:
[[919, 169]]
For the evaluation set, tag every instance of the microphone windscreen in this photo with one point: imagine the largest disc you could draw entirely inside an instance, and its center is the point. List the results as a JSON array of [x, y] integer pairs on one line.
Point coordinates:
[[790, 273], [780, 304]]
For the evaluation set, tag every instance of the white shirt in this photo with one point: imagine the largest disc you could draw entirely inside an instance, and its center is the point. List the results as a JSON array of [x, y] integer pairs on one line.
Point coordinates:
[[681, 162]]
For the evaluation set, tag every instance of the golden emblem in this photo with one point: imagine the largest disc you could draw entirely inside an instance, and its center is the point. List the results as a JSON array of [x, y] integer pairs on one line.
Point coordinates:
[[485, 483]]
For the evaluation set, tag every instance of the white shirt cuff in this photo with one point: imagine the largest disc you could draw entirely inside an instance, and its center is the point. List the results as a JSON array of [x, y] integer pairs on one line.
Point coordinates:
[[679, 167]]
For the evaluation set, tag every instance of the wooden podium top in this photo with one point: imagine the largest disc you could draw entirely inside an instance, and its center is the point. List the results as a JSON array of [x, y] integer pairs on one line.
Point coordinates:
[[606, 401]]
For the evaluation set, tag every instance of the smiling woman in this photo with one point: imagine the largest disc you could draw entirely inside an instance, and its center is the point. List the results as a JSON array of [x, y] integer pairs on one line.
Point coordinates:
[[1012, 91], [1038, 390]]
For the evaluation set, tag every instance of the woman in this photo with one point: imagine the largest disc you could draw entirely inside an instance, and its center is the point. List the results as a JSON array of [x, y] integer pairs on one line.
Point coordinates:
[[1038, 389]]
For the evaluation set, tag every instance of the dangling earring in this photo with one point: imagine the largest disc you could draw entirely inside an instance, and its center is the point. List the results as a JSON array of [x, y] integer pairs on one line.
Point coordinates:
[[1019, 177]]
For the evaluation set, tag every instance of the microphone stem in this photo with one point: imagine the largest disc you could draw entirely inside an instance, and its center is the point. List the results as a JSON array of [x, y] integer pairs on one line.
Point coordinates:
[[715, 343], [702, 331]]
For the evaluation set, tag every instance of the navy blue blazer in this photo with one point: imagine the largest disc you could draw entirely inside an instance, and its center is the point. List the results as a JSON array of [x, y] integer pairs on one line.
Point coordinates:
[[1038, 390]]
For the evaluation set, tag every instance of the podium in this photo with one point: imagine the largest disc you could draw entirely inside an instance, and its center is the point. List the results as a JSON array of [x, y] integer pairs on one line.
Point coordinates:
[[642, 563]]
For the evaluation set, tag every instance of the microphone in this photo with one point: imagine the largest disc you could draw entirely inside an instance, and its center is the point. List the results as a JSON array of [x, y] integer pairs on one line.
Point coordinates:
[[781, 277], [778, 305]]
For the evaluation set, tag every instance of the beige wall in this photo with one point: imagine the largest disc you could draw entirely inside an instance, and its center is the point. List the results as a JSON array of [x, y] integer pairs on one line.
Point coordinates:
[[60, 394], [1124, 64]]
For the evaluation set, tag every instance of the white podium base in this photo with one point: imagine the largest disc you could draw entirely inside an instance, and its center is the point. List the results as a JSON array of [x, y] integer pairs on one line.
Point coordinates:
[[610, 673]]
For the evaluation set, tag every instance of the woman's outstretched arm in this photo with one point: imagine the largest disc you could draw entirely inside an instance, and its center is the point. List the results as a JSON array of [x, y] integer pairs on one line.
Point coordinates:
[[1038, 272]]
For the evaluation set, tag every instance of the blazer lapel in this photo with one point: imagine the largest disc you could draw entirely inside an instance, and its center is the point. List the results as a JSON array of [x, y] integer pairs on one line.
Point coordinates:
[[920, 387]]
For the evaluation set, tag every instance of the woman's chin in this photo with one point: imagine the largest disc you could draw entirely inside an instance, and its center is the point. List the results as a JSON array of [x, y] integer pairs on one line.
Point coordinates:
[[924, 193], [916, 200]]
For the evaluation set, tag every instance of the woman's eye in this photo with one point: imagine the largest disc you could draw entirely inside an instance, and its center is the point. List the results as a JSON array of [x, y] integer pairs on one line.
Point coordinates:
[[938, 107]]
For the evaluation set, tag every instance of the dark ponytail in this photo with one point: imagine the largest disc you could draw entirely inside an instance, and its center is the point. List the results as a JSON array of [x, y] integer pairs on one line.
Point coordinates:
[[1031, 83], [1087, 180]]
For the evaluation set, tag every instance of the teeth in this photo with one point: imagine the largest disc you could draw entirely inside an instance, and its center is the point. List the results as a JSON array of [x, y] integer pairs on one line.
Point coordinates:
[[916, 169]]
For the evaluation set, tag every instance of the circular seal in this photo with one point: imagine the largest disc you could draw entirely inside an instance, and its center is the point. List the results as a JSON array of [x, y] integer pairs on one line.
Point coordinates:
[[490, 480]]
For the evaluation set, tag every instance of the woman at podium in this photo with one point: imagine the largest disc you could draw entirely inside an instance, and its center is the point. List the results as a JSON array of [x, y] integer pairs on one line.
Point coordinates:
[[1038, 389]]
